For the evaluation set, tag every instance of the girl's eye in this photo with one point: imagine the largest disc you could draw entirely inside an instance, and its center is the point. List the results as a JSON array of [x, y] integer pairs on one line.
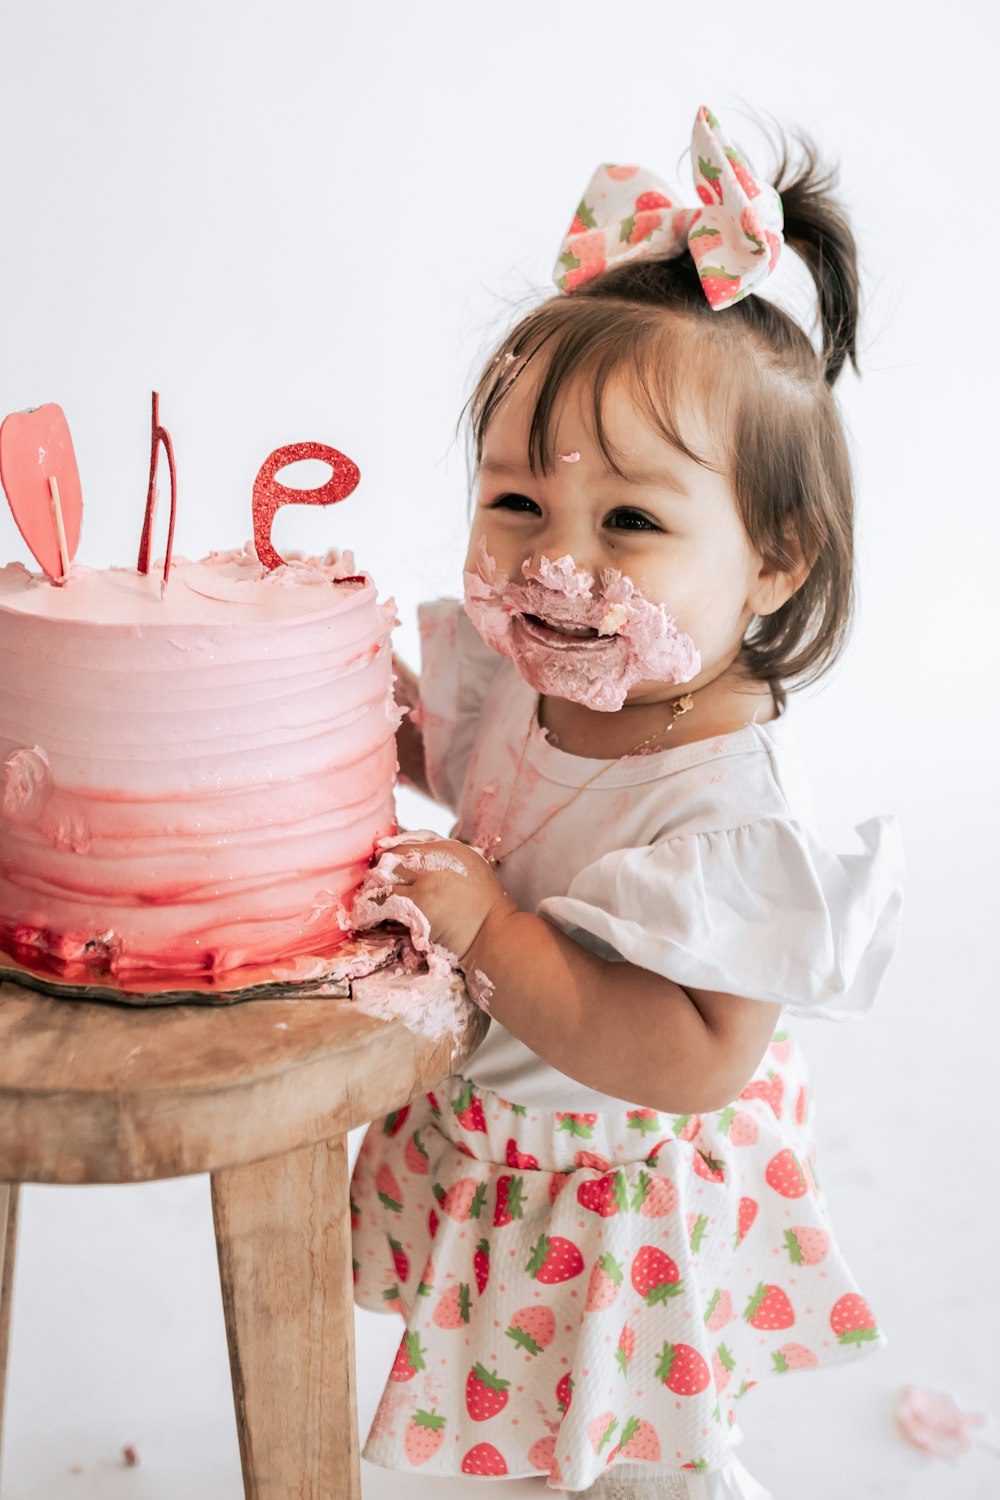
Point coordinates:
[[630, 520], [518, 503]]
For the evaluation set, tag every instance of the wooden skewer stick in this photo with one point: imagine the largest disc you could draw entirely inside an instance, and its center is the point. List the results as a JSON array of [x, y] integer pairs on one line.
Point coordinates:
[[60, 528]]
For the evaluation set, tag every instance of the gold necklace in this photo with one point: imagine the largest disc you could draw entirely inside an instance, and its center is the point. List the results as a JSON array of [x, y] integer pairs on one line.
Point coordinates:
[[679, 707]]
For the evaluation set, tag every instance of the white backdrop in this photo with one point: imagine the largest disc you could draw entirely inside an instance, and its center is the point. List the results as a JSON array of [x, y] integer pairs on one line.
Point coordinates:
[[307, 222]]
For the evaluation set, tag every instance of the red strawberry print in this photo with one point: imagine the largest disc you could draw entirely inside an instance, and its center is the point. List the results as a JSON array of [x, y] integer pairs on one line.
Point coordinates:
[[355, 1214], [541, 1454], [592, 1159], [464, 1199], [621, 174], [392, 1299], [509, 1206], [723, 1366], [432, 1223], [601, 1430], [638, 1441], [696, 1226], [771, 1089], [746, 1214], [750, 225], [651, 200], [520, 1159], [415, 1156], [452, 1310], [809, 1169], [793, 1357], [712, 1168], [655, 1276], [583, 220], [564, 1393], [486, 1394], [739, 166], [468, 1108], [682, 1370], [769, 1307], [582, 1125], [533, 1328], [586, 259], [557, 1182], [807, 1246], [486, 1460], [481, 1265], [703, 240], [389, 1193], [639, 227], [643, 1120], [554, 1259], [409, 1358], [605, 1280], [435, 1106], [423, 1437], [712, 183], [737, 1126], [780, 1046], [400, 1259], [785, 1175], [801, 1105], [686, 1127], [653, 1197], [395, 1121], [852, 1320], [426, 1278], [773, 249], [720, 286], [719, 1311], [607, 1195], [626, 1348]]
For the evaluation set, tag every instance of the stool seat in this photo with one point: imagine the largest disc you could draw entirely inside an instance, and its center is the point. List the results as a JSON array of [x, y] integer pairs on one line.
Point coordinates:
[[260, 1095]]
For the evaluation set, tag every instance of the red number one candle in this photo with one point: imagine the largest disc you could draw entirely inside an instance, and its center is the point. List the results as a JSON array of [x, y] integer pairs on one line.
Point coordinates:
[[160, 435], [269, 496], [42, 483]]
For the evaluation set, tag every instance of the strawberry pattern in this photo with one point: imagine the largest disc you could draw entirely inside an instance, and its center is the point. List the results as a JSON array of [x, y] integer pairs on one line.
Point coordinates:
[[734, 234], [584, 1289]]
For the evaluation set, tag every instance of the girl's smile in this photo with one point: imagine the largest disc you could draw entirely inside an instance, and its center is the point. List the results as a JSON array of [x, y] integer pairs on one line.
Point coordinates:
[[667, 523]]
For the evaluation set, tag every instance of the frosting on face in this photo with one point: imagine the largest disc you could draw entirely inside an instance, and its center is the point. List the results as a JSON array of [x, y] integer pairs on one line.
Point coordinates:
[[571, 638]]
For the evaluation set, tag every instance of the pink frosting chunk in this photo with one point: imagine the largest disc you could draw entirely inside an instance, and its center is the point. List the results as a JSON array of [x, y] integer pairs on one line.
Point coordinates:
[[932, 1422], [630, 639]]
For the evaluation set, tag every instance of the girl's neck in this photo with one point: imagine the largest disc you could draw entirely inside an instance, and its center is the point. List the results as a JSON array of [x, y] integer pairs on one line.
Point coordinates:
[[722, 706]]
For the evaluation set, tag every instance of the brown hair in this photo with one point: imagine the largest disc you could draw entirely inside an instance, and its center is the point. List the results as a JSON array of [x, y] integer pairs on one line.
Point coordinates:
[[766, 390]]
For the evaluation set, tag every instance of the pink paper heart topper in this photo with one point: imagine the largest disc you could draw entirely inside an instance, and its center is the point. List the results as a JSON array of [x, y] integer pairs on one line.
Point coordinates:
[[37, 463]]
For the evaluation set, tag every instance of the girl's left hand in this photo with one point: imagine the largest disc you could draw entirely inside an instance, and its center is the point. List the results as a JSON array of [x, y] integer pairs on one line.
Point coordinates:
[[453, 886]]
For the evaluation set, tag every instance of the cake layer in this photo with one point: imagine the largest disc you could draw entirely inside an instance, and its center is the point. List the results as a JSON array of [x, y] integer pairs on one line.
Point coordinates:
[[191, 779]]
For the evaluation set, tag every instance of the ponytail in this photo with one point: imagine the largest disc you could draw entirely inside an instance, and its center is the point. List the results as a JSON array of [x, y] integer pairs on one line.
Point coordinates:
[[816, 228]]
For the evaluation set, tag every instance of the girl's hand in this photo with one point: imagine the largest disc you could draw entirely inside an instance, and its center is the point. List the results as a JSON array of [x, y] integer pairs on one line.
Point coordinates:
[[453, 886]]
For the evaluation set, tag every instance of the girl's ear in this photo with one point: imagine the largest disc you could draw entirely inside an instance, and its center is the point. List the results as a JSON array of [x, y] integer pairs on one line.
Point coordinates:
[[779, 577]]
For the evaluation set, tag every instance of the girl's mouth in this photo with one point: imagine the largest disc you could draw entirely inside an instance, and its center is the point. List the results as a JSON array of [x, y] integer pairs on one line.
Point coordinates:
[[552, 631]]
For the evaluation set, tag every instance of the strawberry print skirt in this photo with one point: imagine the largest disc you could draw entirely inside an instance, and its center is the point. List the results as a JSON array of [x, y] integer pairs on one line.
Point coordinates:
[[582, 1289]]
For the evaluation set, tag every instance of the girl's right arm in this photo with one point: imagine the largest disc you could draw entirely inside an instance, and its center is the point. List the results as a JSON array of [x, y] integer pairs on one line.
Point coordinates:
[[409, 737]]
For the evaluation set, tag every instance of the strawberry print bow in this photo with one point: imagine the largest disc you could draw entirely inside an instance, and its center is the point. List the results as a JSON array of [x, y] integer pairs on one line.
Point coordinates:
[[628, 213]]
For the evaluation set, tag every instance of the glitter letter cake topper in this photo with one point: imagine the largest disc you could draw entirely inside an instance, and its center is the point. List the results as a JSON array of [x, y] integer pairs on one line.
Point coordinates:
[[42, 484], [160, 435], [269, 496]]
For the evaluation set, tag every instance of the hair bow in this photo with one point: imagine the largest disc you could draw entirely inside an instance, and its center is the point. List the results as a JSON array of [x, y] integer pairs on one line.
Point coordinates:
[[628, 213]]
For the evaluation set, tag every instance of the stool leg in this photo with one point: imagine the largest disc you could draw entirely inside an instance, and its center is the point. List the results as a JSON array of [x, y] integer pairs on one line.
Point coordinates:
[[9, 1194], [283, 1235]]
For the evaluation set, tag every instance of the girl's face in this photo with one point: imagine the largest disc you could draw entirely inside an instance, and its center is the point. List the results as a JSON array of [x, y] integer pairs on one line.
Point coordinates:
[[671, 526]]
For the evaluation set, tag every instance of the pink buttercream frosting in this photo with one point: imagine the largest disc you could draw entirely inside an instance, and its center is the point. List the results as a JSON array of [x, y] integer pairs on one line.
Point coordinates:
[[931, 1421], [193, 779], [624, 638]]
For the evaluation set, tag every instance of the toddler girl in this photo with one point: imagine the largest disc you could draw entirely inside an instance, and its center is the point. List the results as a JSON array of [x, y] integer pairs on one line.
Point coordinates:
[[610, 1228]]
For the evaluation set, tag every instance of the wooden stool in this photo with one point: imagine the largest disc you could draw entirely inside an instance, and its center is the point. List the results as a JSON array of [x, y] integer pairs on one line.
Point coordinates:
[[261, 1095]]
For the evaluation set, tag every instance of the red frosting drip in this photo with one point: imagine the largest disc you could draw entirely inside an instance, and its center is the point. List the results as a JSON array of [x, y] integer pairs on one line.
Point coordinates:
[[269, 496]]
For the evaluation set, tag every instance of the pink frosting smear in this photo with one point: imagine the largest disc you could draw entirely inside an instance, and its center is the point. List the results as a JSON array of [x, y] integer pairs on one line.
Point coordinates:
[[622, 638], [377, 901], [932, 1422]]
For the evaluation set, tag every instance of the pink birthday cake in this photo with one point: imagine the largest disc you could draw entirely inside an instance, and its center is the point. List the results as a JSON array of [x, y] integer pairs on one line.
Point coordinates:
[[192, 777]]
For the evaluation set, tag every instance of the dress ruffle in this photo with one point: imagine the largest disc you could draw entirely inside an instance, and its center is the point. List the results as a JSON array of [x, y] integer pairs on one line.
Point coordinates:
[[586, 1289], [763, 910]]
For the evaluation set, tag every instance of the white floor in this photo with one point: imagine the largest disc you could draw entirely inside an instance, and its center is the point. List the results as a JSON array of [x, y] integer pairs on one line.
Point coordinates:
[[118, 1334]]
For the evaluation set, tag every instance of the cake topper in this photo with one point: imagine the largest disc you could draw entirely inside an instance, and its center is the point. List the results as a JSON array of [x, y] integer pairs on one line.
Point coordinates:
[[269, 496], [42, 485], [160, 435]]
